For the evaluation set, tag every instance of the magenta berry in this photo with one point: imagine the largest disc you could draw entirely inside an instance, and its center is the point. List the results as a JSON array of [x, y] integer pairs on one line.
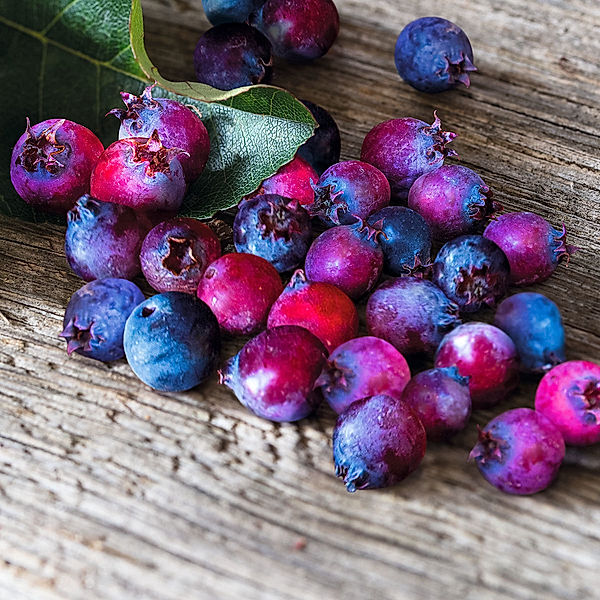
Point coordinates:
[[52, 162], [348, 256], [519, 452], [240, 290], [362, 367], [441, 400], [487, 356], [533, 247], [321, 308], [453, 200], [405, 149], [347, 190], [377, 442], [569, 395], [178, 125], [274, 374], [412, 314]]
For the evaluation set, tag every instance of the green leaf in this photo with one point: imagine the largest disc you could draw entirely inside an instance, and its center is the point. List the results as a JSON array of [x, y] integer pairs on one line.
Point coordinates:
[[70, 58]]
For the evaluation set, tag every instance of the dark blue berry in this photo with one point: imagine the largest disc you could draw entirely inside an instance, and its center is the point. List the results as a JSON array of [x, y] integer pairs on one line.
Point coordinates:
[[229, 11], [323, 149]]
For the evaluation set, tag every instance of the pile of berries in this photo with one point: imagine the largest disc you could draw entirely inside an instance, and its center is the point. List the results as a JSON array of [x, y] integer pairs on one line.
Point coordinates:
[[379, 219]]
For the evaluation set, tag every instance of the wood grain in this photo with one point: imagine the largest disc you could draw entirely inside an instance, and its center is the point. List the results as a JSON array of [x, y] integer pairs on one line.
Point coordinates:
[[111, 491]]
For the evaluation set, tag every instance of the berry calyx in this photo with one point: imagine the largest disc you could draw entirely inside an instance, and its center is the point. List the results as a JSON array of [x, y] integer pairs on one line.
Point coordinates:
[[277, 221], [562, 250], [155, 154], [588, 394], [440, 139], [134, 105], [79, 338], [458, 70], [42, 150], [327, 202], [181, 256], [488, 448]]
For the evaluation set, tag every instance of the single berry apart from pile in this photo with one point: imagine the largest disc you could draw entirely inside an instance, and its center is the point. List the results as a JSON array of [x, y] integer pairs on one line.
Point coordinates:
[[274, 374], [377, 442], [52, 162], [405, 149], [323, 149], [569, 395], [519, 452], [299, 30], [321, 308], [240, 289], [347, 190], [487, 356], [233, 55], [533, 247], [434, 55], [472, 271], [95, 318], [276, 228], [348, 256], [172, 341], [406, 240], [141, 173], [176, 253], [453, 200], [229, 11], [178, 125], [362, 367], [412, 314], [441, 400], [534, 324]]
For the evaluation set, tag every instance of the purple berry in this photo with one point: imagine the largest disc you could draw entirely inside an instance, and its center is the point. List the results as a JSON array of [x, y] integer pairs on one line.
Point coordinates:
[[405, 149], [347, 190], [275, 228], [472, 271], [229, 11], [377, 442], [95, 318], [172, 342], [360, 368], [274, 374], [299, 30], [412, 314], [179, 127], [534, 324], [519, 452], [348, 256], [176, 253], [240, 289], [434, 55], [233, 55], [52, 162], [487, 356], [406, 240], [441, 400], [569, 395], [453, 200], [533, 247]]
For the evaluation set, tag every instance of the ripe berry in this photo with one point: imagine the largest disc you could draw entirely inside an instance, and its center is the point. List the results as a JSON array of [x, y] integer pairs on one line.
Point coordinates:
[[569, 395], [362, 367], [141, 173], [441, 400], [323, 149], [472, 271], [487, 356], [274, 374], [321, 308], [178, 125], [276, 228], [453, 200], [172, 341], [377, 442], [233, 55], [519, 452], [533, 247], [229, 11], [434, 55], [175, 254], [240, 289], [534, 324], [405, 149], [410, 313], [52, 162], [95, 318]]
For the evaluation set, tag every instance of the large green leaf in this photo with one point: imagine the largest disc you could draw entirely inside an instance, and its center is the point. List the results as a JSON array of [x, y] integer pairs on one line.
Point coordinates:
[[70, 58]]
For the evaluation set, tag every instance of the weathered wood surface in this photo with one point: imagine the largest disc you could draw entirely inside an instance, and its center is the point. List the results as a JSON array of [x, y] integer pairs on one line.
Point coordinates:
[[110, 490]]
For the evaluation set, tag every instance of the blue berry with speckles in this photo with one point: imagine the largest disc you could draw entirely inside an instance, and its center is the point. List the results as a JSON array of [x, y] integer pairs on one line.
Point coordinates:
[[229, 11]]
